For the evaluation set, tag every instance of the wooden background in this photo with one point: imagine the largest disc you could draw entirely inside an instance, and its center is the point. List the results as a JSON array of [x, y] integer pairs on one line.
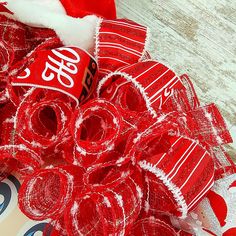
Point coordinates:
[[197, 37]]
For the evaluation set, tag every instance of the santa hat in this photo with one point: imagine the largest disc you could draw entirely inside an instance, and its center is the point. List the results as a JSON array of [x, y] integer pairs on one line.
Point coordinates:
[[80, 8], [73, 21]]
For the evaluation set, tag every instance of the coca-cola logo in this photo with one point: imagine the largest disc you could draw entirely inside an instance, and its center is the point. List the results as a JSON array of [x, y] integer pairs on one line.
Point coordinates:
[[66, 69], [166, 92], [26, 75], [63, 65]]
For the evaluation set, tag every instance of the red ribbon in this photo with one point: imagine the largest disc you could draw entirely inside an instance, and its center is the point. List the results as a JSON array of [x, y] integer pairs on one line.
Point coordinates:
[[66, 69], [61, 182]]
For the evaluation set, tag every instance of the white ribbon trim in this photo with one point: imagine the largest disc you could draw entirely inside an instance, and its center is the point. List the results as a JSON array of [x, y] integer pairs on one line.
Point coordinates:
[[177, 194]]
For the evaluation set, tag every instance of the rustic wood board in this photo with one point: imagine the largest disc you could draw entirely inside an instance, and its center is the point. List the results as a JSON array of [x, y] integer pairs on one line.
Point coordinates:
[[197, 37]]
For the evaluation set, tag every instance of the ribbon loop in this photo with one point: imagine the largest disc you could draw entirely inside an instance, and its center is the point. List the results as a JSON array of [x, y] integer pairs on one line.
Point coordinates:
[[154, 81], [119, 43]]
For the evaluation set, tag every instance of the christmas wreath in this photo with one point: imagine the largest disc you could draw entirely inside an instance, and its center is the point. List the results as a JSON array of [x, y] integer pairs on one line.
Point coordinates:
[[107, 141]]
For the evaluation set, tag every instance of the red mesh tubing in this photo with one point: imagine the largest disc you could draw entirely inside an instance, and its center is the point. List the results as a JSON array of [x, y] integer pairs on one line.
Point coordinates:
[[207, 125], [154, 81], [15, 156], [20, 159], [18, 46], [47, 192], [4, 95], [21, 37], [152, 227], [183, 99], [109, 211], [147, 142], [96, 127], [46, 117], [128, 99], [16, 93], [98, 178]]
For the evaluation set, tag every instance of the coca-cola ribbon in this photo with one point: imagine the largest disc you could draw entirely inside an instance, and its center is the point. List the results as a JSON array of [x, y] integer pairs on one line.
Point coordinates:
[[70, 70]]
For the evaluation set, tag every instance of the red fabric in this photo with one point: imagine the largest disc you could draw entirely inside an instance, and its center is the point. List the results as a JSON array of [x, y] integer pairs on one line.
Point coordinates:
[[215, 214], [20, 37], [152, 227], [54, 186], [78, 8], [46, 118], [114, 208], [218, 206], [207, 124], [98, 122], [184, 99], [17, 40], [230, 232], [186, 167], [14, 155]]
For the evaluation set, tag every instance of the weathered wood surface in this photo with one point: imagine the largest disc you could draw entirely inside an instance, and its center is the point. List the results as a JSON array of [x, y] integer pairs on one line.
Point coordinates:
[[197, 37]]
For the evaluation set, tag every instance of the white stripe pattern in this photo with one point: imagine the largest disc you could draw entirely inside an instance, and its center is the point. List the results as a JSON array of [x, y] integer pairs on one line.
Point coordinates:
[[122, 36], [154, 81], [190, 175], [120, 45], [139, 27], [155, 94], [202, 193], [144, 72], [119, 48], [183, 161], [166, 152], [113, 58], [183, 155]]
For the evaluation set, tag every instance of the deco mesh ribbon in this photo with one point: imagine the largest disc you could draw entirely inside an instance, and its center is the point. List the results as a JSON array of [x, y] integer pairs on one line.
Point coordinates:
[[117, 144]]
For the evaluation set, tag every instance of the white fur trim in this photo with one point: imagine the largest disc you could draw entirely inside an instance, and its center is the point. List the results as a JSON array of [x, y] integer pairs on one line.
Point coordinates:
[[177, 194], [72, 31], [136, 84]]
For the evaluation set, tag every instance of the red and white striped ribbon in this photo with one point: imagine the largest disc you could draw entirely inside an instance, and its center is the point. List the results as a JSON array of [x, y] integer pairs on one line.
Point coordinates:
[[186, 169], [153, 80], [119, 43]]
